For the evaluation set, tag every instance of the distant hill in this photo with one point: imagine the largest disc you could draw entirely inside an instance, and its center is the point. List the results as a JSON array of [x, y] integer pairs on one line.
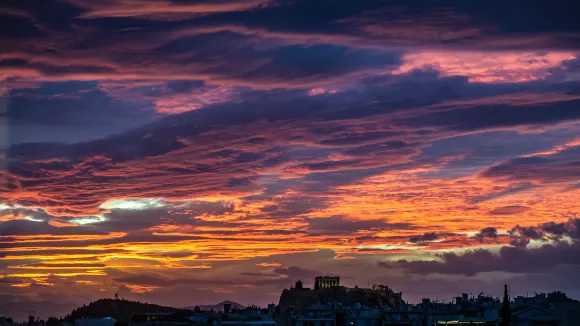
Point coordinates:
[[121, 310], [218, 306]]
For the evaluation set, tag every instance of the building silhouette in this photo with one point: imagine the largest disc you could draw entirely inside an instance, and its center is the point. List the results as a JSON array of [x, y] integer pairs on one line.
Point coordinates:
[[324, 282]]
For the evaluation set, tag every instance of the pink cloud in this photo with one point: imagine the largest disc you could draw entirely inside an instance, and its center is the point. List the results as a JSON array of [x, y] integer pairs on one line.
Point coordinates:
[[487, 67], [156, 8]]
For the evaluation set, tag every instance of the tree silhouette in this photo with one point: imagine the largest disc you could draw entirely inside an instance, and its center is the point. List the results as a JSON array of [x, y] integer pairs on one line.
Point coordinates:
[[121, 310], [506, 316]]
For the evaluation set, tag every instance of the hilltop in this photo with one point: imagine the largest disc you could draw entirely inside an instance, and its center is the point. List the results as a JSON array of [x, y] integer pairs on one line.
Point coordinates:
[[217, 306], [121, 310], [300, 298]]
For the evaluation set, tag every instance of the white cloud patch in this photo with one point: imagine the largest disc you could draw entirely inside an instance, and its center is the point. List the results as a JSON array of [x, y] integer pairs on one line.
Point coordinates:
[[88, 220], [132, 204], [33, 219]]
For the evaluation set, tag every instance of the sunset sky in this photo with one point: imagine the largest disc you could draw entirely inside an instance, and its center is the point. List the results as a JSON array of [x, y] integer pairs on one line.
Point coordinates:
[[188, 152]]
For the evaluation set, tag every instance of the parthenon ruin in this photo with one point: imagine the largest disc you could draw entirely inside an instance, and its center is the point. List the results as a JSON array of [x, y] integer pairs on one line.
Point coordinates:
[[323, 282]]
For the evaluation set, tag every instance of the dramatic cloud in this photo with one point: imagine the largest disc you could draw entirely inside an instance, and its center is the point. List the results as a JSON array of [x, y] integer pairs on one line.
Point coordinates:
[[488, 67], [511, 259], [509, 210], [153, 9], [340, 225], [424, 238], [559, 166], [486, 233], [176, 151]]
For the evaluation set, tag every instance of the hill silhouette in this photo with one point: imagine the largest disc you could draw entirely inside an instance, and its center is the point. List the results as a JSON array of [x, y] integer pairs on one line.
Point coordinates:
[[122, 310], [217, 306], [300, 298]]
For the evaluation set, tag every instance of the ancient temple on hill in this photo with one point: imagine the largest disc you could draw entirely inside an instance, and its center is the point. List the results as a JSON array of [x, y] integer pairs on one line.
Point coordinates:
[[324, 282]]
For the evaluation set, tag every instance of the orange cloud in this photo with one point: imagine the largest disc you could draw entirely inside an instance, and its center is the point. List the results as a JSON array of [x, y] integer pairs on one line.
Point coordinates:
[[141, 288], [269, 264]]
